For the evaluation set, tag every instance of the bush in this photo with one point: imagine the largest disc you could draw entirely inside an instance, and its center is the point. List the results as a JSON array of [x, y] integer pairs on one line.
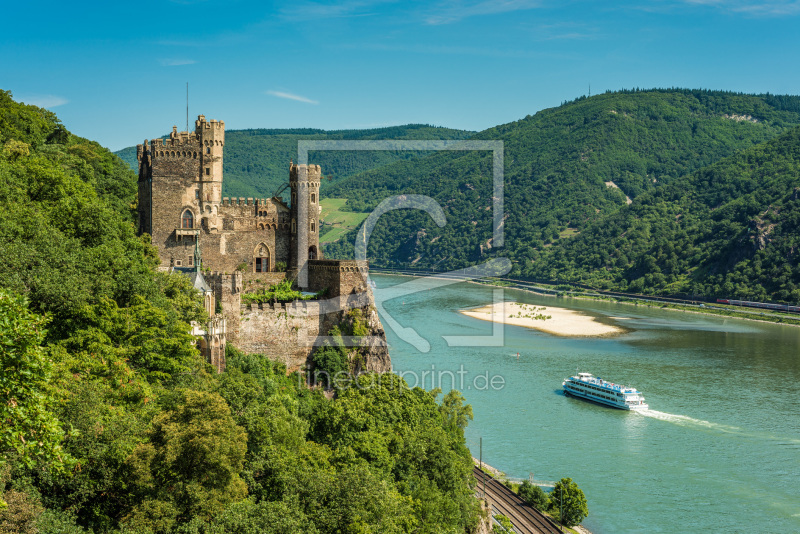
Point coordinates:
[[534, 496], [329, 361]]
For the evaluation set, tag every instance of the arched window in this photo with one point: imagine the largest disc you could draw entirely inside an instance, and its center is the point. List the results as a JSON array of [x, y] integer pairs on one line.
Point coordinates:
[[313, 198], [208, 150], [261, 261], [313, 226], [187, 219]]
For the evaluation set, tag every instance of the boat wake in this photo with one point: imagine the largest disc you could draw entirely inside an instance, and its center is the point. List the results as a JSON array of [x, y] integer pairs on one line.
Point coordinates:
[[686, 421]]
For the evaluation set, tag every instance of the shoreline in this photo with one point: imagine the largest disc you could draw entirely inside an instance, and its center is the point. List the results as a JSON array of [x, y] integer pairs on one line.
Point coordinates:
[[643, 302], [552, 320], [646, 304]]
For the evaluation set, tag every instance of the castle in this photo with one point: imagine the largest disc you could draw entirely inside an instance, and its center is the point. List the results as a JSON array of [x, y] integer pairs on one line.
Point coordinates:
[[244, 245]]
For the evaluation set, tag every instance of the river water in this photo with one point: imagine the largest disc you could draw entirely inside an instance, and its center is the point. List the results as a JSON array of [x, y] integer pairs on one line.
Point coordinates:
[[719, 448]]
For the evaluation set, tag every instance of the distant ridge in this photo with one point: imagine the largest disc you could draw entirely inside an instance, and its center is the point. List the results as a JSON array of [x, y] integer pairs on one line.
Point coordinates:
[[557, 163], [256, 160]]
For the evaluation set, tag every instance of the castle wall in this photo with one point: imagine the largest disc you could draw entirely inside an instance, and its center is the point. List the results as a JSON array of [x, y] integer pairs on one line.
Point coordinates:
[[340, 277], [283, 332]]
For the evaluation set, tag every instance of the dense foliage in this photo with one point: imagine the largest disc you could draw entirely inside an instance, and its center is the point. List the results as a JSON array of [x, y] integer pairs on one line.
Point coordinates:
[[568, 502], [111, 421], [256, 162], [567, 172], [731, 229]]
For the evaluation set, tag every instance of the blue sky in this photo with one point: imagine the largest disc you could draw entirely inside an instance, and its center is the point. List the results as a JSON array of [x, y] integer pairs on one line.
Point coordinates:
[[116, 71]]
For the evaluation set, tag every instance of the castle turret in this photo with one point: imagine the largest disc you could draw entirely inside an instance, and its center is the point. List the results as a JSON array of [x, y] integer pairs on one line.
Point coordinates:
[[304, 181], [211, 138]]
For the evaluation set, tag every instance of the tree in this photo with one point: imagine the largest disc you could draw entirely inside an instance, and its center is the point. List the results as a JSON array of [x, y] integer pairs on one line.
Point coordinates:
[[454, 412], [191, 465], [534, 495], [29, 431], [568, 500], [330, 362]]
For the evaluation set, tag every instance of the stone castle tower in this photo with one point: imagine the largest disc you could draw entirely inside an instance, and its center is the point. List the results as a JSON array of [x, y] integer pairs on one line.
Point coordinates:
[[304, 181]]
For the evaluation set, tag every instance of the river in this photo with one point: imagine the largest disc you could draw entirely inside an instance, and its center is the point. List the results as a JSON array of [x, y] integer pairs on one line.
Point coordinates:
[[718, 449]]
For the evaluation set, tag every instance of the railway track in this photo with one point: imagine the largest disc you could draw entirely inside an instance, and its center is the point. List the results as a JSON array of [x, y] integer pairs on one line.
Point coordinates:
[[526, 520]]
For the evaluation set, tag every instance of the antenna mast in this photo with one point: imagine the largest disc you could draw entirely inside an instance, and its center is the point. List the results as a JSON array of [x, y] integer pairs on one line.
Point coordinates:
[[187, 106]]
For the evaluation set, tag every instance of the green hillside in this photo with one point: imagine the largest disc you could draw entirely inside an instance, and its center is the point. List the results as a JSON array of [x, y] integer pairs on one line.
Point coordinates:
[[731, 229], [112, 422], [256, 162], [565, 169]]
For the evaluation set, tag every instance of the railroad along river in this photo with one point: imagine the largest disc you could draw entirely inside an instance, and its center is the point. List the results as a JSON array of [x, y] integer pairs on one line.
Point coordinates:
[[719, 448]]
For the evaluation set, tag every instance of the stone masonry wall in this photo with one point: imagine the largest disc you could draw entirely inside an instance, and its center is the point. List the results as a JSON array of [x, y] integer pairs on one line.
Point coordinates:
[[340, 277], [284, 333], [290, 332]]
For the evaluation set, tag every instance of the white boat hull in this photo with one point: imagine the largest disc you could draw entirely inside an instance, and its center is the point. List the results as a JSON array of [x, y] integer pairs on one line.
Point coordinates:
[[587, 387], [604, 402]]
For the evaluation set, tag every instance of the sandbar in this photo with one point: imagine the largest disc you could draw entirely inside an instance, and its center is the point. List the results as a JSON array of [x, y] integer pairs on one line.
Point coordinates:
[[562, 322]]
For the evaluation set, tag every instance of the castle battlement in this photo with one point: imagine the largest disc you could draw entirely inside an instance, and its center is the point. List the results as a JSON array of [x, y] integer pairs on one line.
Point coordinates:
[[208, 125], [191, 141], [308, 172], [296, 306], [342, 266]]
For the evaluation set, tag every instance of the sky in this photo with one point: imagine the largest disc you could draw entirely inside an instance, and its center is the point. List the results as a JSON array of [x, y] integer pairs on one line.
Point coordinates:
[[116, 72]]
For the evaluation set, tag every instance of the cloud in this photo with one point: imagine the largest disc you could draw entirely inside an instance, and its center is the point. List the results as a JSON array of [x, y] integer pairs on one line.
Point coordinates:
[[452, 50], [290, 96], [563, 31], [175, 62], [774, 8], [43, 101], [456, 10], [317, 10]]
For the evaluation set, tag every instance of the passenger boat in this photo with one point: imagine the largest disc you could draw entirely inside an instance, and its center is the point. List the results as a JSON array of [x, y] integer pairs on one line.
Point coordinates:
[[586, 386]]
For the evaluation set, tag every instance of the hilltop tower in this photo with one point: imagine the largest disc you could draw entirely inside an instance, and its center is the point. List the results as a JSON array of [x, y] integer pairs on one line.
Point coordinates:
[[304, 181], [210, 136], [180, 189]]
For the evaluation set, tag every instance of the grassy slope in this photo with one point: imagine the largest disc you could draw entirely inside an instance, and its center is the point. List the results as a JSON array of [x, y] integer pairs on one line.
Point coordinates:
[[336, 222]]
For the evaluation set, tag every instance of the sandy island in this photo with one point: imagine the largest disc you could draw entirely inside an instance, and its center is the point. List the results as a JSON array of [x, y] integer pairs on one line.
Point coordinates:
[[562, 322]]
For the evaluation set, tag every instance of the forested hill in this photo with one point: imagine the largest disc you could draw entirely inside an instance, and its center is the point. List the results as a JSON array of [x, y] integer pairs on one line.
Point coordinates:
[[112, 422], [256, 162], [728, 230], [565, 169]]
